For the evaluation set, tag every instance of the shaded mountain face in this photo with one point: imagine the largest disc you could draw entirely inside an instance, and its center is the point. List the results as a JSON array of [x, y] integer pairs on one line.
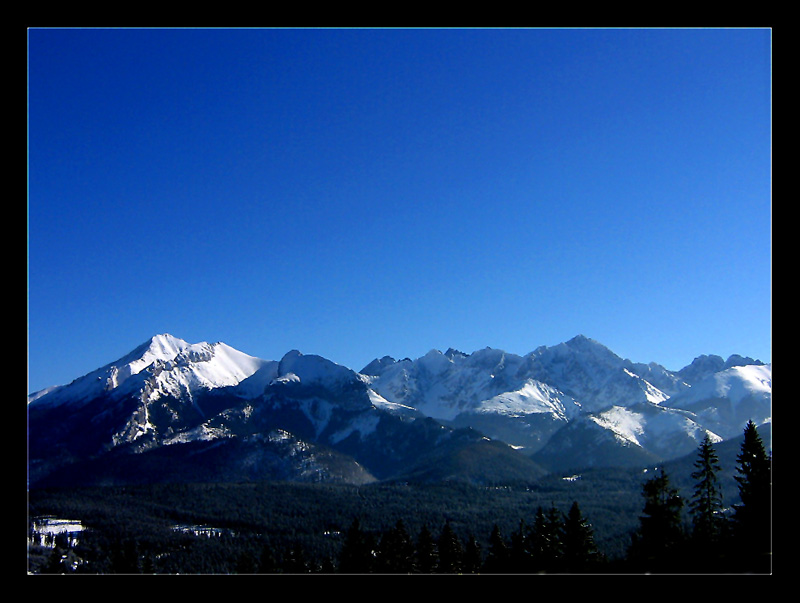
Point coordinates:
[[170, 410], [183, 415]]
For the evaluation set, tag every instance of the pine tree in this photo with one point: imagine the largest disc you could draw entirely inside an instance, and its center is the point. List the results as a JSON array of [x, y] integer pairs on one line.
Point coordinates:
[[356, 554], [294, 560], [546, 540], [395, 553], [267, 563], [497, 555], [472, 556], [450, 551], [519, 554], [656, 546], [753, 517], [705, 505], [580, 551], [426, 558]]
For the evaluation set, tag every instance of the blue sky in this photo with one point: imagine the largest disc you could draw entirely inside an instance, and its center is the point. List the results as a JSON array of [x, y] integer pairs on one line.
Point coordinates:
[[356, 193]]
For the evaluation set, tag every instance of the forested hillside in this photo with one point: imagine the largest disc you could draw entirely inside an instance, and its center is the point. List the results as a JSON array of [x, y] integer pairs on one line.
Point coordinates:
[[598, 521]]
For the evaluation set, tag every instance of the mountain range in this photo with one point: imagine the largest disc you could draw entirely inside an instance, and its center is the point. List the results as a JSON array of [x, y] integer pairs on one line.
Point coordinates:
[[175, 411]]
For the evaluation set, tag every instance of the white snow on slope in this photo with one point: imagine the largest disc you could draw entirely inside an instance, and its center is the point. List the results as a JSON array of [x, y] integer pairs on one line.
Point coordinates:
[[736, 384], [162, 365], [532, 398], [654, 427], [625, 424]]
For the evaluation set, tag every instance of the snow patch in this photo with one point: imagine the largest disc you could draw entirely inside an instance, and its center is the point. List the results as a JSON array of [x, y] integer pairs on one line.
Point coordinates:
[[625, 424]]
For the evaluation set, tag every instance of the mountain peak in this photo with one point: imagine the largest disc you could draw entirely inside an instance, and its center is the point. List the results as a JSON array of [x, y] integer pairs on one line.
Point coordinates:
[[310, 368], [377, 366], [162, 364], [452, 353], [584, 342]]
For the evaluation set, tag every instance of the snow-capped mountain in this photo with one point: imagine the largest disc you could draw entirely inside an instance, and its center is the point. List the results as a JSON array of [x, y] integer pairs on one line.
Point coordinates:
[[199, 411], [174, 410], [163, 365], [730, 397], [542, 401], [443, 386]]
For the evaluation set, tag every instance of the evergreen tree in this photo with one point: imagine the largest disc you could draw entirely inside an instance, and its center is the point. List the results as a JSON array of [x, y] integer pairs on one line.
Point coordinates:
[[356, 554], [426, 559], [294, 560], [125, 557], [660, 535], [266, 562], [705, 505], [451, 551], [519, 555], [753, 517], [395, 552], [497, 555], [246, 564], [472, 556], [537, 541], [546, 540], [580, 551]]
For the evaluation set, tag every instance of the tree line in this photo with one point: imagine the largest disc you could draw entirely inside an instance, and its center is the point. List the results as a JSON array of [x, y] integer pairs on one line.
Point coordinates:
[[700, 534], [555, 542], [716, 538]]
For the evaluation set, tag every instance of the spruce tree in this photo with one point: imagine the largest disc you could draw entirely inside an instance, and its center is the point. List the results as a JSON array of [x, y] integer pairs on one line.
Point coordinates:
[[546, 540], [395, 553], [580, 551], [426, 557], [519, 554], [705, 505], [753, 517], [497, 555], [451, 551], [472, 556], [356, 554], [657, 544]]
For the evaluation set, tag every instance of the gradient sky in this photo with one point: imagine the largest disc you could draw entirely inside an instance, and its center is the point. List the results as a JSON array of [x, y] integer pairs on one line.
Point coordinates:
[[356, 193]]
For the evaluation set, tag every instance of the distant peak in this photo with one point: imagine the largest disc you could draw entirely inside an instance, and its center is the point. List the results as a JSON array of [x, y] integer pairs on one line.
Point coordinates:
[[737, 360], [166, 341], [160, 346], [165, 337], [377, 366]]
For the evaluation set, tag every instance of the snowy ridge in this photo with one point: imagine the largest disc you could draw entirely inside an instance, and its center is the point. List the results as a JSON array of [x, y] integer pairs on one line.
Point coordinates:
[[163, 365], [580, 375], [310, 368], [625, 424], [575, 402], [532, 398], [735, 384]]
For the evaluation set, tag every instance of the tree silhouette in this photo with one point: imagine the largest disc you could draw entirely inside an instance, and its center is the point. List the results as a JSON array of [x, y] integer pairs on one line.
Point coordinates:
[[545, 540], [656, 545], [580, 551], [451, 551], [753, 517], [395, 551], [356, 554], [497, 557], [705, 505], [472, 556], [426, 559]]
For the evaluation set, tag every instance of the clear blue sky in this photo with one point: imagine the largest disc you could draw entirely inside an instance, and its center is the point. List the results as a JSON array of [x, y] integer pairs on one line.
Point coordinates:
[[356, 193]]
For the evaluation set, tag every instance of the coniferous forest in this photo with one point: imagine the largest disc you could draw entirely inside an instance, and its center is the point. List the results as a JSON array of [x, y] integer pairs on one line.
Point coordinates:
[[698, 517]]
